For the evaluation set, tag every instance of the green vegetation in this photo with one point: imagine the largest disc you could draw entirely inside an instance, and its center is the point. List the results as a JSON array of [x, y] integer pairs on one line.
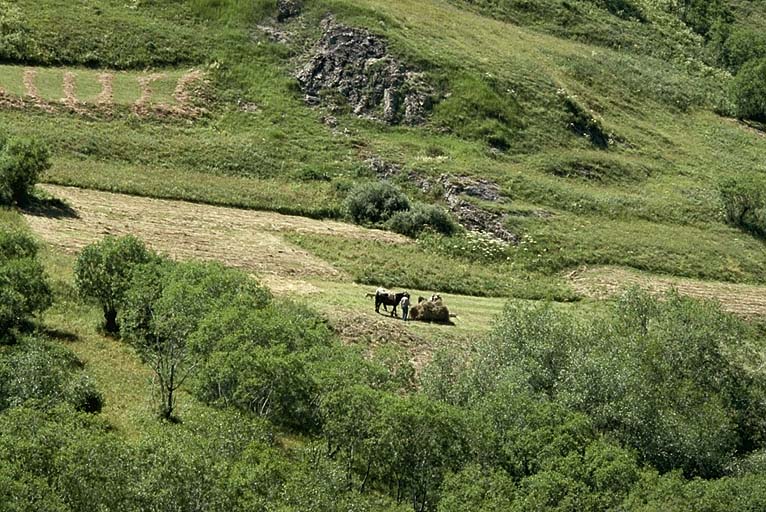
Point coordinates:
[[424, 267], [24, 288], [595, 132], [375, 202], [749, 91], [745, 205], [421, 217], [103, 273], [165, 306], [477, 110], [22, 162]]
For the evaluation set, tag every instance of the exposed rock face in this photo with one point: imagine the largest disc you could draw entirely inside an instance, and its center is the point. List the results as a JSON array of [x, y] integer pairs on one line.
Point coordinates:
[[478, 188], [355, 64], [287, 9], [470, 216], [383, 169]]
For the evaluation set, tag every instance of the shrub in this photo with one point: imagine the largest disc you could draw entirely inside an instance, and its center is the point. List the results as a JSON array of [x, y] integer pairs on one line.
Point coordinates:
[[14, 33], [703, 15], [255, 361], [102, 273], [84, 396], [744, 203], [374, 202], [422, 216], [24, 288], [749, 91], [21, 163]]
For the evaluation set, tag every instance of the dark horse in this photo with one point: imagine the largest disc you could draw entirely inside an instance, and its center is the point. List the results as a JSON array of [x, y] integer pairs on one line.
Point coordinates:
[[388, 299]]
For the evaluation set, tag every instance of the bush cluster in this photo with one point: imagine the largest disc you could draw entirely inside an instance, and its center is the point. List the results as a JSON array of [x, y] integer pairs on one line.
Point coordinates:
[[47, 374], [373, 202], [749, 90], [421, 217], [381, 203]]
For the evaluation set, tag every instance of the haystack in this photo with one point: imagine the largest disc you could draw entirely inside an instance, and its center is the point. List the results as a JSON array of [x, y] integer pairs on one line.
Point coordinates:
[[428, 311]]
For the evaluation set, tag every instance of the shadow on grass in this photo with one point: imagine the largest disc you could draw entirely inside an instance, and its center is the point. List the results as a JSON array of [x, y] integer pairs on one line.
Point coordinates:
[[50, 207], [60, 335]]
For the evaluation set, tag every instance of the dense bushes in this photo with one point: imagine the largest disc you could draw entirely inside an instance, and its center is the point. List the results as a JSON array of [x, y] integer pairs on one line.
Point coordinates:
[[744, 202], [21, 163], [165, 306], [40, 371], [744, 45], [258, 361], [383, 204], [420, 217], [617, 373], [24, 288]]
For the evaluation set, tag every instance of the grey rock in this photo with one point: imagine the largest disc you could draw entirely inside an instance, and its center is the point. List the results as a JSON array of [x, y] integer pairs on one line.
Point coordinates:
[[287, 9], [469, 215], [355, 64], [383, 169]]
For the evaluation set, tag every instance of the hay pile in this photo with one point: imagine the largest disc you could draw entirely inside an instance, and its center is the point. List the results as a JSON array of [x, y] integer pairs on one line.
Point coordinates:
[[428, 311]]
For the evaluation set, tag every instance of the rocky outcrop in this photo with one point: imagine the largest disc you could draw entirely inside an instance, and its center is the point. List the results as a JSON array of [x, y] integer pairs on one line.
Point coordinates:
[[469, 215], [287, 9], [354, 65]]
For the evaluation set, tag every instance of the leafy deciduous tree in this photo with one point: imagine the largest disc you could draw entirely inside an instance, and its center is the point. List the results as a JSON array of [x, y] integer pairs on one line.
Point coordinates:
[[102, 273]]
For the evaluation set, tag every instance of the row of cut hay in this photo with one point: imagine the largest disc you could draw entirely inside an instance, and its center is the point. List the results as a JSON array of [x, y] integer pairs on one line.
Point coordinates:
[[191, 93]]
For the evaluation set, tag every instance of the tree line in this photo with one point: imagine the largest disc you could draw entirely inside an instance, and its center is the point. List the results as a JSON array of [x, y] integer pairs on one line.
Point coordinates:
[[648, 404]]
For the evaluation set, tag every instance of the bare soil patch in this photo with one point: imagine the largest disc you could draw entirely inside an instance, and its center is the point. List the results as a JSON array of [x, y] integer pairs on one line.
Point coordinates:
[[246, 239], [606, 282]]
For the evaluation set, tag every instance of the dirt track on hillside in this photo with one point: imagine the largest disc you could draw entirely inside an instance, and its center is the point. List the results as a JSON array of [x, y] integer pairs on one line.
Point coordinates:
[[246, 239], [605, 282]]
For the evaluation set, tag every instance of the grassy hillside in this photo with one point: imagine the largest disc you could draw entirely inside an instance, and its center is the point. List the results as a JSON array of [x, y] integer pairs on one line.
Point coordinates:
[[601, 144], [643, 201]]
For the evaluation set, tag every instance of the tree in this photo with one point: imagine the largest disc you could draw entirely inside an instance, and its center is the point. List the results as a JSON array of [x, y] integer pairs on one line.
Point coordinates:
[[24, 289], [102, 273], [419, 442], [166, 304], [21, 163]]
